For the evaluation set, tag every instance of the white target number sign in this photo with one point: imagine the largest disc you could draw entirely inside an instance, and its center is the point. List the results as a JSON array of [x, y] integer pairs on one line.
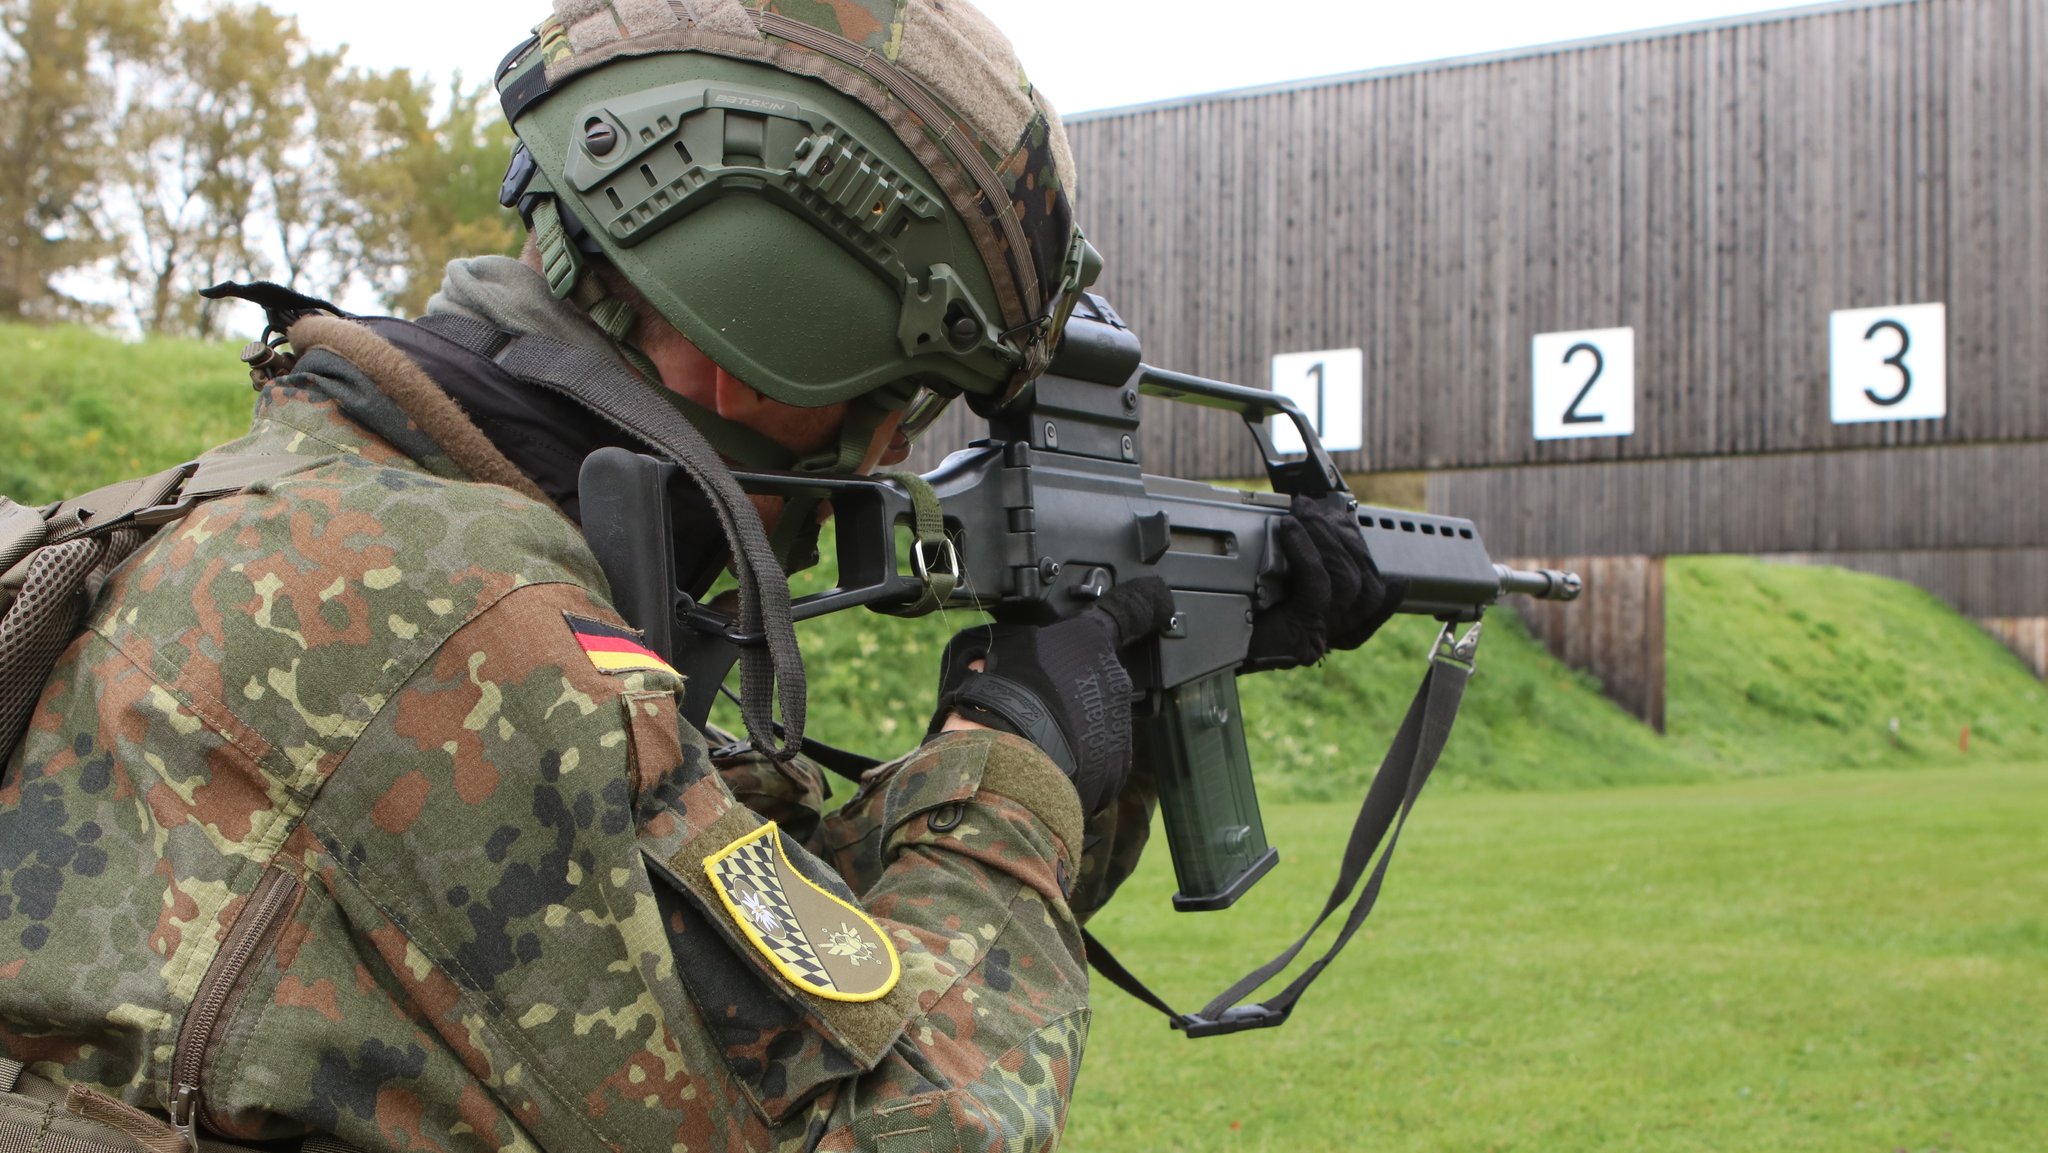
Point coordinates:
[[1329, 388], [1889, 364], [1585, 384]]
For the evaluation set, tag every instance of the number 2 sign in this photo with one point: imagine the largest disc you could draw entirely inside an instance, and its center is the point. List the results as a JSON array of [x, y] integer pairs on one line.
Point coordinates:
[[1585, 384], [1889, 364]]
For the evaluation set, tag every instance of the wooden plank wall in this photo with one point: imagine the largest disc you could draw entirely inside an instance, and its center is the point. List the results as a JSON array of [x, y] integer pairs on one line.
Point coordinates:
[[1981, 583], [2027, 638], [1967, 497], [1721, 190], [1615, 632]]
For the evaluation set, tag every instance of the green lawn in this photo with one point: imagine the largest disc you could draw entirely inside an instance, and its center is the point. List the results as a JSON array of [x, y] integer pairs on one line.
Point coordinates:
[[79, 409], [1853, 962]]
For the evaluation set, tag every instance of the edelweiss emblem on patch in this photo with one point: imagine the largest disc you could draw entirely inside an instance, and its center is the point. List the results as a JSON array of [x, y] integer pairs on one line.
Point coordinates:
[[822, 943], [754, 907]]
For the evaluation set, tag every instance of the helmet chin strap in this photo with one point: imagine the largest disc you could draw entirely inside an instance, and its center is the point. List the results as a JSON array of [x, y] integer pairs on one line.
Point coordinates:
[[795, 539]]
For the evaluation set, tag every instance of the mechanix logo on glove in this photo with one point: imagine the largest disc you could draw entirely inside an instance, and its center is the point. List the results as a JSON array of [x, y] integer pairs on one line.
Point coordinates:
[[1062, 687]]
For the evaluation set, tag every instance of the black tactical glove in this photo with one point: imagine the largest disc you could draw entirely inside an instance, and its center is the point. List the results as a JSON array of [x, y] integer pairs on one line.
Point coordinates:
[[1335, 596], [1060, 686]]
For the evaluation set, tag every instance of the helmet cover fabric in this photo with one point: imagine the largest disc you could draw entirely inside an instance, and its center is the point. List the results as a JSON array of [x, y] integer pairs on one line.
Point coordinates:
[[947, 47]]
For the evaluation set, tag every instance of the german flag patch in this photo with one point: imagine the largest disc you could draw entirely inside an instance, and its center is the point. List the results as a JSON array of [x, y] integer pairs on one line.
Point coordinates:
[[615, 650]]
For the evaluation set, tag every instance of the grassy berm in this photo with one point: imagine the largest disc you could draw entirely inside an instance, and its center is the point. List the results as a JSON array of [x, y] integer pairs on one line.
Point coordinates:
[[79, 410]]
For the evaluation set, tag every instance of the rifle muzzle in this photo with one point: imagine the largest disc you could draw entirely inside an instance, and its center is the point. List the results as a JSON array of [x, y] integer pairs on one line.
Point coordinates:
[[1543, 584]]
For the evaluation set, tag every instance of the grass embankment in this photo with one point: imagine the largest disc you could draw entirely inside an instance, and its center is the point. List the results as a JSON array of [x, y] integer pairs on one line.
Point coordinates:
[[1777, 667], [1772, 669], [1812, 963], [79, 410]]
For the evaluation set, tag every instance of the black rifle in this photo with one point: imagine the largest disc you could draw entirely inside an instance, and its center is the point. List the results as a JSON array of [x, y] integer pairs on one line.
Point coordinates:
[[1046, 515]]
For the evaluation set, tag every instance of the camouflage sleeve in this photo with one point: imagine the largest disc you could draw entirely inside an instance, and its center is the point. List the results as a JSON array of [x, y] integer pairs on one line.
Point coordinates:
[[966, 852], [535, 917], [790, 793]]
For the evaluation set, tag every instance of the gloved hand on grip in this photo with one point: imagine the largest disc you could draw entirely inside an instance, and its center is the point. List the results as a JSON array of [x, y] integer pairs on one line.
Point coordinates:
[[1060, 686], [1336, 598]]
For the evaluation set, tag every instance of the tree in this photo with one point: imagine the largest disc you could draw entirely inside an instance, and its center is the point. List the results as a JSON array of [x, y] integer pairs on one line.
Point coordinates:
[[168, 153], [431, 194], [58, 94], [234, 140]]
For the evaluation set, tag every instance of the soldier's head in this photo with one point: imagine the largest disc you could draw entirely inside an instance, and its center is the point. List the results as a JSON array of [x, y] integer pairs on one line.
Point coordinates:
[[819, 224]]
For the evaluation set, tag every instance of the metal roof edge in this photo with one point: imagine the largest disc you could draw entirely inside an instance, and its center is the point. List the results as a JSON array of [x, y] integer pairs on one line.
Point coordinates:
[[1449, 63]]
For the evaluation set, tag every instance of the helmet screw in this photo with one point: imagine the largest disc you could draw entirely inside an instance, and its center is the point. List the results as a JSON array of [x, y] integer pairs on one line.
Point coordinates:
[[826, 165], [966, 330], [1052, 435], [600, 138], [1131, 401]]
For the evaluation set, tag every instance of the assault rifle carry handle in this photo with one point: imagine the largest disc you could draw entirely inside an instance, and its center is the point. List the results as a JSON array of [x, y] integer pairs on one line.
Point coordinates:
[[1047, 514]]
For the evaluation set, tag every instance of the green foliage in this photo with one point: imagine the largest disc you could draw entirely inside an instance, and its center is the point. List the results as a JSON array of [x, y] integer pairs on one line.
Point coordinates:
[[57, 97], [178, 148], [1817, 962], [231, 139], [79, 410], [429, 194], [1779, 666]]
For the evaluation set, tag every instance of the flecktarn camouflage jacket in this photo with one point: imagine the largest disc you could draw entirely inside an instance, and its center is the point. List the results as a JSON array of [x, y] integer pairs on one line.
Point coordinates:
[[356, 811]]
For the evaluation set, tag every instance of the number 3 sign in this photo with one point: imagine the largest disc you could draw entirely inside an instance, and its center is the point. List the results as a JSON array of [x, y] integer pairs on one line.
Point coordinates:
[[1890, 364], [1585, 384]]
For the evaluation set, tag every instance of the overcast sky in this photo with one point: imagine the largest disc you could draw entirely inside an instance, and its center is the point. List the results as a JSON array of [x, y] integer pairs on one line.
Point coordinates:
[[1086, 54]]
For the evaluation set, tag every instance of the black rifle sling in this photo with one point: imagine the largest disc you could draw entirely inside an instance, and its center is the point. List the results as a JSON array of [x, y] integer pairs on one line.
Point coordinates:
[[1388, 802], [768, 672]]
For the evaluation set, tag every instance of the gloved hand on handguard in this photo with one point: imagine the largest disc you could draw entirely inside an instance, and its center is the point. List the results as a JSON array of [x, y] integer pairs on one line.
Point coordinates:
[[1336, 598]]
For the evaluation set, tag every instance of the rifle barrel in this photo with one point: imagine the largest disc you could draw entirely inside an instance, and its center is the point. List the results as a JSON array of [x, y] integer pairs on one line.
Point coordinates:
[[1544, 584]]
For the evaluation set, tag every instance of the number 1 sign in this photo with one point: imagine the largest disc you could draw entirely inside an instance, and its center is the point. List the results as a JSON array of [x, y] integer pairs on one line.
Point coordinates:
[[1329, 388], [1889, 364], [1585, 384]]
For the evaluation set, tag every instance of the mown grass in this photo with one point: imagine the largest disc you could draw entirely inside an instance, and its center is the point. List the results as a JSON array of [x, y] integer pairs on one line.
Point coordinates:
[[1818, 962], [79, 409]]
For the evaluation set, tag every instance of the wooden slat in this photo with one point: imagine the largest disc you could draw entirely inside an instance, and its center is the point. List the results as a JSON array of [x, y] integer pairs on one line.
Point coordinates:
[[2026, 637], [1615, 632], [1908, 499]]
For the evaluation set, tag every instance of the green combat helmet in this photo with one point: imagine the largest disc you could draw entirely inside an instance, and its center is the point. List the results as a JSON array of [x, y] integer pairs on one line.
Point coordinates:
[[835, 200]]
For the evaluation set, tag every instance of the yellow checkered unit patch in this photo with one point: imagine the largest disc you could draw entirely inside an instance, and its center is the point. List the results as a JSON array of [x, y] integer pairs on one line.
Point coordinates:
[[823, 945]]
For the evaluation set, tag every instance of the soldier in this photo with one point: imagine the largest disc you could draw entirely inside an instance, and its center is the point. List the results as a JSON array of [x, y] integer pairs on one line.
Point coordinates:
[[357, 811]]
